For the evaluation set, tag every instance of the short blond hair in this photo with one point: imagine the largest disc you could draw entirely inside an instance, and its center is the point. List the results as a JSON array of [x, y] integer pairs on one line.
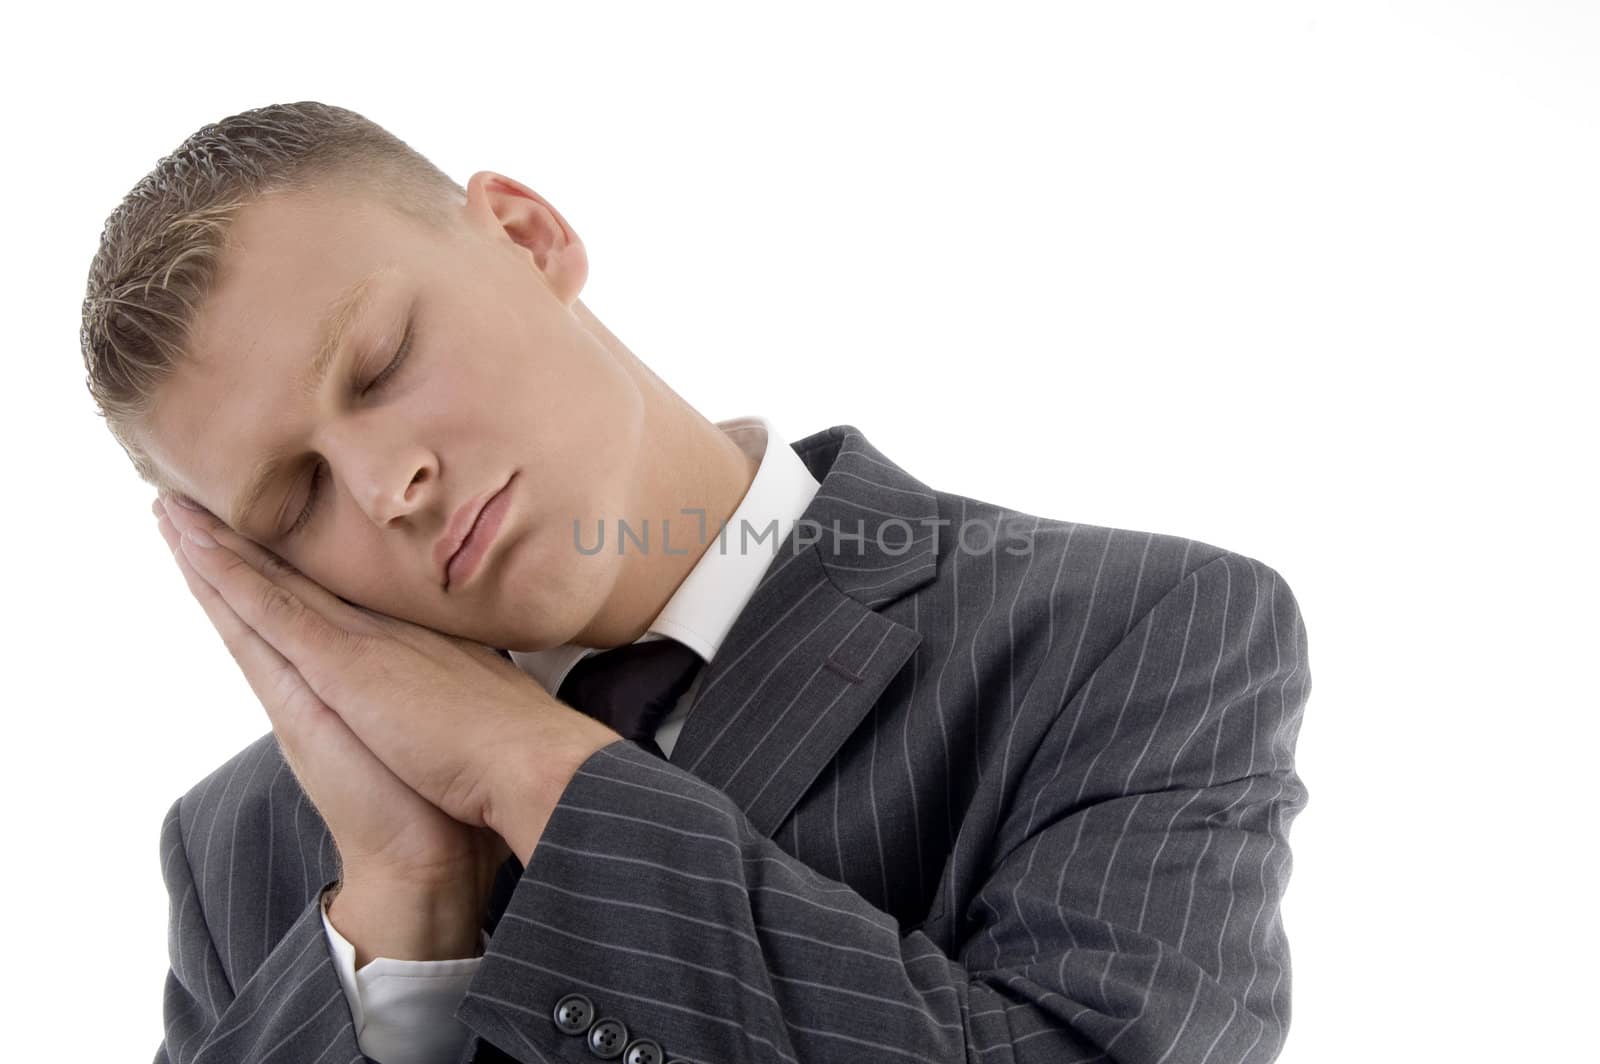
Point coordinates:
[[161, 247]]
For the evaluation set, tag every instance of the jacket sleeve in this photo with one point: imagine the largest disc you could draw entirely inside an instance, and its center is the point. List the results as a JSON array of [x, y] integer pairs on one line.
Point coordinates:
[[291, 1008], [1130, 914]]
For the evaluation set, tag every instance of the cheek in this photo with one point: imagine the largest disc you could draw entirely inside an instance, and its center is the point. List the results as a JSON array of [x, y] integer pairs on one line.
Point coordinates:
[[354, 572], [383, 593], [335, 579], [481, 367]]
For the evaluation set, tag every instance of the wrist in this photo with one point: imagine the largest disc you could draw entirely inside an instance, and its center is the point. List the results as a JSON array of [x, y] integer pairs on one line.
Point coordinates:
[[385, 919], [533, 785]]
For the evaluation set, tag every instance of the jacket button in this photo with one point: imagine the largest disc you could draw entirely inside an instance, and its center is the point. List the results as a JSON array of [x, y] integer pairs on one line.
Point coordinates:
[[607, 1037], [643, 1051], [574, 1013]]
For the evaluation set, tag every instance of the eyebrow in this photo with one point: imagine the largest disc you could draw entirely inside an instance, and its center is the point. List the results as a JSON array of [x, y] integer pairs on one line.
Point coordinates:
[[336, 326]]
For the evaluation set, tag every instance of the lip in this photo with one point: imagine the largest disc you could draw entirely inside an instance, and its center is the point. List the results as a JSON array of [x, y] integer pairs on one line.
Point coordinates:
[[467, 539]]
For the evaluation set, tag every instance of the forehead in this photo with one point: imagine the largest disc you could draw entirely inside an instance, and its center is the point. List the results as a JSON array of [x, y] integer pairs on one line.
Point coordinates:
[[233, 396]]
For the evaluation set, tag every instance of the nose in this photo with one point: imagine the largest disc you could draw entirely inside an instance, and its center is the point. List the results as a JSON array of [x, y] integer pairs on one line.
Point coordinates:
[[387, 479], [388, 495]]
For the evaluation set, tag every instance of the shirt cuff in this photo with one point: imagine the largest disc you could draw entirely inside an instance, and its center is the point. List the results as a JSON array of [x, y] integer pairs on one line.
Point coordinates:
[[404, 1010]]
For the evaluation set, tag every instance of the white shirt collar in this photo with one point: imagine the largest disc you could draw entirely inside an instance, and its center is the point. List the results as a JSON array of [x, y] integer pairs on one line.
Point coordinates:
[[710, 598]]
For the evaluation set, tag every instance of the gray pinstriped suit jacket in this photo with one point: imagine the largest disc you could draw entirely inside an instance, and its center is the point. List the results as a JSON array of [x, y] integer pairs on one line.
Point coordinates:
[[954, 801]]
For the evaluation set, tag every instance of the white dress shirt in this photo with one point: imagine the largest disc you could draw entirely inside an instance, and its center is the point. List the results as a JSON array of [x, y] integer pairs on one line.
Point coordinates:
[[404, 1010]]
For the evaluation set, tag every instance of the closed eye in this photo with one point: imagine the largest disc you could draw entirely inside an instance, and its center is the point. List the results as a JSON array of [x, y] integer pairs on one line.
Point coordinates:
[[317, 474], [394, 363]]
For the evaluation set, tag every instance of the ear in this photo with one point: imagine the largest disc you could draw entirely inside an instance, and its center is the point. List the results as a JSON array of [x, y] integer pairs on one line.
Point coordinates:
[[504, 204]]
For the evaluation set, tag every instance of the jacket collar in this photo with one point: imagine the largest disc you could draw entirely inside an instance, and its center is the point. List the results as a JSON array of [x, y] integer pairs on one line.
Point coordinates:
[[810, 653]]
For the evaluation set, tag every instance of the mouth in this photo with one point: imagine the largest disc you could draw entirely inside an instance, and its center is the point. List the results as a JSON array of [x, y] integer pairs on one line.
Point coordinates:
[[472, 533]]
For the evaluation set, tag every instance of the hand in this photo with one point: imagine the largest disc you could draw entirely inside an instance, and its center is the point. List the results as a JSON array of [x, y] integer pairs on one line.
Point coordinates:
[[462, 727], [383, 829]]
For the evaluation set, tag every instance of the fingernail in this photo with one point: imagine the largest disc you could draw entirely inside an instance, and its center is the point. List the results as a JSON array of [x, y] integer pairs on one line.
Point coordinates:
[[157, 509], [186, 503], [199, 537]]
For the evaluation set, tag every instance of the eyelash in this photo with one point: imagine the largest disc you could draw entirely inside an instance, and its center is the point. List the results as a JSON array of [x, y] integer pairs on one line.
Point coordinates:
[[378, 381]]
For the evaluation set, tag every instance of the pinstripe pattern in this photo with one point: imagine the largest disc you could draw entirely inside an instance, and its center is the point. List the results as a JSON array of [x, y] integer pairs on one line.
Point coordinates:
[[941, 803]]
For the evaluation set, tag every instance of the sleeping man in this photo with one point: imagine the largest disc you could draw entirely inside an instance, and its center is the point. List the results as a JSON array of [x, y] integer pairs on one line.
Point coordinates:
[[599, 728]]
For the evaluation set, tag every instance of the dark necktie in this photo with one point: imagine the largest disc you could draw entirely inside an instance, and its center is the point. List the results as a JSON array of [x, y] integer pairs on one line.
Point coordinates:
[[632, 688]]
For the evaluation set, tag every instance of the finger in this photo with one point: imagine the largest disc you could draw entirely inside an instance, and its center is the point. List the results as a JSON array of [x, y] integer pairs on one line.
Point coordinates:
[[271, 566], [274, 679], [320, 649], [321, 750]]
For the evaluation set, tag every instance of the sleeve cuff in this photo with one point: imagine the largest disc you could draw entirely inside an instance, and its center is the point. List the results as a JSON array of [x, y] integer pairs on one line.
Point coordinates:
[[404, 1010]]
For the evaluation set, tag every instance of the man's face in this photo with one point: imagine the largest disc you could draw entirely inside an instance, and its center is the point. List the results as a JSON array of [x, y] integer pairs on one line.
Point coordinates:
[[498, 377]]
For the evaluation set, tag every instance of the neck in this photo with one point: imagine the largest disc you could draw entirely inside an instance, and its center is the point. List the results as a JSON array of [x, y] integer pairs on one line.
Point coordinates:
[[692, 477]]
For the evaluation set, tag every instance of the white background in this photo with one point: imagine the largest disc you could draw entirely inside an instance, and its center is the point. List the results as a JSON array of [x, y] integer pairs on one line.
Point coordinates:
[[1314, 282]]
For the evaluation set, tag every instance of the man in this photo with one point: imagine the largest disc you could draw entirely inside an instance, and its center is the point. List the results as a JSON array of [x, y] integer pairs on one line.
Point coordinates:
[[836, 766]]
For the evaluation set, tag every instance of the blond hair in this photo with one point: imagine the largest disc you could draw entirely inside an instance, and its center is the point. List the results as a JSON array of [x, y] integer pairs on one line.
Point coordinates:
[[161, 247]]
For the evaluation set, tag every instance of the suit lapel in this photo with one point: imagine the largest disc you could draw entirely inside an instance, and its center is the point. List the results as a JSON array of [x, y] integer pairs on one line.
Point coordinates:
[[810, 653]]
